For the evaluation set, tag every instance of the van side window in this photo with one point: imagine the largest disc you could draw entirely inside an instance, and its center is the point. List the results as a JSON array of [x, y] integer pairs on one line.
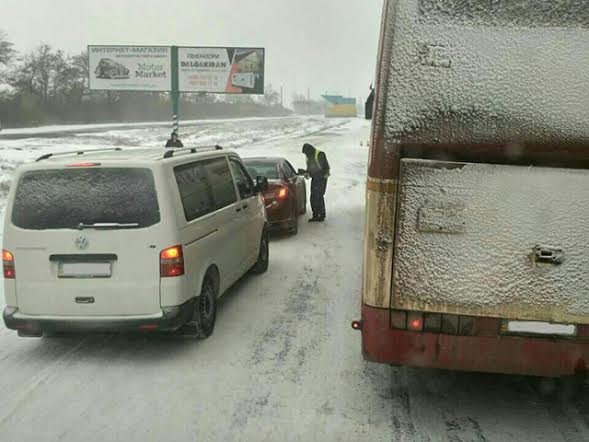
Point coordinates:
[[244, 182], [221, 182], [195, 190], [204, 187]]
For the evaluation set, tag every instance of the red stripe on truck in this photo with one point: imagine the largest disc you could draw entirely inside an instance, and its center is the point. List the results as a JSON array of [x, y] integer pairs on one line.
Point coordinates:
[[497, 354]]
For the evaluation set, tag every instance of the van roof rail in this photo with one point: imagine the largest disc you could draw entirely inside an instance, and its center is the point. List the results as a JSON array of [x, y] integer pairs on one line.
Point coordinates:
[[76, 152], [188, 150]]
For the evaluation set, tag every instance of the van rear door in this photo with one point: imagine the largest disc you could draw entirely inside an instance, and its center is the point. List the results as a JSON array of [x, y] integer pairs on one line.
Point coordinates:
[[83, 241]]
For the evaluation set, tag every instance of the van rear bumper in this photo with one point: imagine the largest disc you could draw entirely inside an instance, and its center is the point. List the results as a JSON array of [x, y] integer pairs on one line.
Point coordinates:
[[172, 318]]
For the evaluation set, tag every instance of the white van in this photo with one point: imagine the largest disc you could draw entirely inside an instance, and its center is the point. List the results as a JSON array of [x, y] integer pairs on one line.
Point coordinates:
[[135, 239]]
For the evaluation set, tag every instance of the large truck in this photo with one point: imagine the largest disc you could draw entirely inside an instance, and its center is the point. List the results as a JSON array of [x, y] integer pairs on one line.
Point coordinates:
[[477, 205]]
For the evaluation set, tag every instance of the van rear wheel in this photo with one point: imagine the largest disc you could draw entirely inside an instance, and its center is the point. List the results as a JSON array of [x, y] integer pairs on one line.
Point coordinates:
[[204, 316]]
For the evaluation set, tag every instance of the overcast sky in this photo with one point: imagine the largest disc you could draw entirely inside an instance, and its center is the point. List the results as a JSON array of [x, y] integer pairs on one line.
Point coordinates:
[[325, 45]]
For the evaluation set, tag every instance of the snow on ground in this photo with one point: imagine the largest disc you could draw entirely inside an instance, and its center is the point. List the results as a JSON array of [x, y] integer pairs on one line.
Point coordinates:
[[283, 363], [60, 129]]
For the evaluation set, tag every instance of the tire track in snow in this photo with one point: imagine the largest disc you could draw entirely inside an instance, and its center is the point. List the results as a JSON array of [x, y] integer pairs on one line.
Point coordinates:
[[559, 396], [43, 376], [279, 351]]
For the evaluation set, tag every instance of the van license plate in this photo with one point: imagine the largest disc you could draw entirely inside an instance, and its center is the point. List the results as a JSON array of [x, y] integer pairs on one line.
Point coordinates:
[[541, 328], [84, 270]]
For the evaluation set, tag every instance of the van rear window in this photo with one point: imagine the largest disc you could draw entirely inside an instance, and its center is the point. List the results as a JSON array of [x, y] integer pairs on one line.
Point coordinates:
[[66, 198]]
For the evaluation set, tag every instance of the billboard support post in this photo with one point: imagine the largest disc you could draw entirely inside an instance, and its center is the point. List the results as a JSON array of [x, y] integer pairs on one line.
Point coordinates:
[[175, 92]]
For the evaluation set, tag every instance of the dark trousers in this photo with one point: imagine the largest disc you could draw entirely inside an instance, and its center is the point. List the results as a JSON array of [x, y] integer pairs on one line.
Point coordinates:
[[318, 187]]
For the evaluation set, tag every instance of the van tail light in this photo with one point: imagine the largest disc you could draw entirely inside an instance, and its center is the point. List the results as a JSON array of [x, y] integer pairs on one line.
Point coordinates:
[[171, 262], [8, 264]]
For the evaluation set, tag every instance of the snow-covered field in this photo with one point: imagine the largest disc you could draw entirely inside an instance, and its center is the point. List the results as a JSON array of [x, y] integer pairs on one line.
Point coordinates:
[[236, 133], [283, 363]]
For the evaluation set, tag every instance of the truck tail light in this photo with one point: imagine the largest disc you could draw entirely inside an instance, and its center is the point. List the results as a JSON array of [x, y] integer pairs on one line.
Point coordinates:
[[399, 319], [583, 331], [8, 264], [171, 262], [447, 324], [415, 321]]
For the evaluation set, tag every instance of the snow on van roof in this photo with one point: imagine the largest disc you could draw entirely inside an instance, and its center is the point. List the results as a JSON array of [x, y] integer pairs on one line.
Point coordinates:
[[478, 71]]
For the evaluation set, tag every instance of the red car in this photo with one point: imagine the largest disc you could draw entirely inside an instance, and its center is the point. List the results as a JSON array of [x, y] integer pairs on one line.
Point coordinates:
[[286, 196]]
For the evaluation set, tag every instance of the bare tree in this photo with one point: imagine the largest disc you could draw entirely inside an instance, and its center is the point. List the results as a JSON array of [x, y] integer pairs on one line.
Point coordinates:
[[298, 97], [44, 73], [238, 99], [6, 51], [271, 96]]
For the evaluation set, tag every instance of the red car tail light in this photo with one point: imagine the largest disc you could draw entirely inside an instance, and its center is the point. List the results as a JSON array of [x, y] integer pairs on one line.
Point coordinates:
[[171, 262], [8, 264], [282, 193]]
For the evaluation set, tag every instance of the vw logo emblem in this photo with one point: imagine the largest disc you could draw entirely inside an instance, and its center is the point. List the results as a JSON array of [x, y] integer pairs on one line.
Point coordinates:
[[82, 242]]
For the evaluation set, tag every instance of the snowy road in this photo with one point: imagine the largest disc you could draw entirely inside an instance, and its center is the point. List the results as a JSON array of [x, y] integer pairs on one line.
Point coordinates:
[[283, 362]]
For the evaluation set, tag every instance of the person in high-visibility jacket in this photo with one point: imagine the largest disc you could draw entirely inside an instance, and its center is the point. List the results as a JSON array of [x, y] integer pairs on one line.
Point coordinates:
[[318, 169]]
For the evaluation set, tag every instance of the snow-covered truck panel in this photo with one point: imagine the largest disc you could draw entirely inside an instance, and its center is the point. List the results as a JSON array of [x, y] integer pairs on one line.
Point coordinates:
[[482, 91], [492, 240]]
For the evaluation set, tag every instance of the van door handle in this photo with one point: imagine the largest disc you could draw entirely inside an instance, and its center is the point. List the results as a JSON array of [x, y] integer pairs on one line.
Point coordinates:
[[238, 209], [245, 206]]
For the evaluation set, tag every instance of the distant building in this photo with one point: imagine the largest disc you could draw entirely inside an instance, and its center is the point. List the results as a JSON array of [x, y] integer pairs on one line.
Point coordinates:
[[339, 106], [308, 107]]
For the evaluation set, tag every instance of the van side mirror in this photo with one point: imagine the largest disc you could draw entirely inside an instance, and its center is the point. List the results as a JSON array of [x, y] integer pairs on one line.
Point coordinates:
[[301, 172], [261, 184]]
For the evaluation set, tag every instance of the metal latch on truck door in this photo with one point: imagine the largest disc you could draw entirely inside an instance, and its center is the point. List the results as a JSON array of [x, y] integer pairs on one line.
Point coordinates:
[[548, 254]]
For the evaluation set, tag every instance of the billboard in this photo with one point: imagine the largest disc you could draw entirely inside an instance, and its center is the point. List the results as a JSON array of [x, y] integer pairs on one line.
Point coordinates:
[[130, 68], [221, 70]]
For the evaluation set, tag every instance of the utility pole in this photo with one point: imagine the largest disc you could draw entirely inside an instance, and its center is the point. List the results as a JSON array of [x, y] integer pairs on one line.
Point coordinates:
[[175, 91]]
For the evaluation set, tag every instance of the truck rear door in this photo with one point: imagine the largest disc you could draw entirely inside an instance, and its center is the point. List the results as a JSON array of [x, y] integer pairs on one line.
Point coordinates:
[[492, 240]]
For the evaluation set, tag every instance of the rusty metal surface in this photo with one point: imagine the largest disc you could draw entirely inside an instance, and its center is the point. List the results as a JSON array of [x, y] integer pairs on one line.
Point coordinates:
[[500, 241], [378, 246]]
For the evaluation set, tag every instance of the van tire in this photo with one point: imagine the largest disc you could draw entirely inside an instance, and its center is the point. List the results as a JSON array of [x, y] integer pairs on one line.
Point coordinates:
[[261, 264], [204, 317]]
